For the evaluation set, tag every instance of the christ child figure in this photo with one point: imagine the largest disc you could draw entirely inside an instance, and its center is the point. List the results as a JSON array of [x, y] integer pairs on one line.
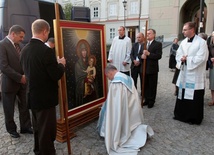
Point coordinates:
[[91, 74]]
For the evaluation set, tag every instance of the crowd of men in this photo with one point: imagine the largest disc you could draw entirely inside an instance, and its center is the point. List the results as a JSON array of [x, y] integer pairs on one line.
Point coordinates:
[[30, 76]]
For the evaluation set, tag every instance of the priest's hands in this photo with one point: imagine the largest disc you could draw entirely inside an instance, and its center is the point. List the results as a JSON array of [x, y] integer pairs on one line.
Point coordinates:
[[110, 61], [124, 63], [184, 58]]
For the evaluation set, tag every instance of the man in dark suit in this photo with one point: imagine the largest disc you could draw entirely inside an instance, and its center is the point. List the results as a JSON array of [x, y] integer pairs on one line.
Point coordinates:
[[14, 82], [136, 63], [152, 55], [43, 71]]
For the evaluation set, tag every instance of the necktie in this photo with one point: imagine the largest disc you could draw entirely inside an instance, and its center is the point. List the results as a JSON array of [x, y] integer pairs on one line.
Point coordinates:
[[148, 44], [138, 52], [18, 49], [139, 48]]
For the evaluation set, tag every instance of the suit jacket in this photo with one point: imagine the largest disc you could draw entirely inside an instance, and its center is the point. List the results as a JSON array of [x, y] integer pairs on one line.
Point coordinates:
[[155, 49], [43, 72], [134, 53], [10, 67]]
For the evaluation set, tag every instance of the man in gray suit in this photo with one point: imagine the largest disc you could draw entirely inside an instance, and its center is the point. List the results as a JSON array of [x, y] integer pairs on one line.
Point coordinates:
[[14, 82]]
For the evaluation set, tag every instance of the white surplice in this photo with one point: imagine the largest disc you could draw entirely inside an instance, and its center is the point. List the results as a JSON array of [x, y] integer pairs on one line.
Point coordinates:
[[120, 52], [192, 74], [121, 118]]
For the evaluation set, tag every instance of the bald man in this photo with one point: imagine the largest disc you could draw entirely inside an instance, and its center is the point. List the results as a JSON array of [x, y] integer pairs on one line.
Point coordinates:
[[119, 53], [43, 71], [135, 58]]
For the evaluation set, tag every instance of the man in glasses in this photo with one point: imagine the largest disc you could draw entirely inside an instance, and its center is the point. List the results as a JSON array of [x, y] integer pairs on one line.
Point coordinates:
[[191, 58]]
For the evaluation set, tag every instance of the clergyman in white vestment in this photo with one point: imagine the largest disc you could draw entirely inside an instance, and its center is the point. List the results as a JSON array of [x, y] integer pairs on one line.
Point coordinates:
[[121, 116], [191, 58], [119, 53]]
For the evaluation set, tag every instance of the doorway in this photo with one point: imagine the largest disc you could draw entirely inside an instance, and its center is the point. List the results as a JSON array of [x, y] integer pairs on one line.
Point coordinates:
[[190, 11], [131, 33]]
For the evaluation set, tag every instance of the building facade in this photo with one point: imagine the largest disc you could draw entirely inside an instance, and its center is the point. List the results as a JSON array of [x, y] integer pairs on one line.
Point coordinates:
[[165, 16], [168, 16]]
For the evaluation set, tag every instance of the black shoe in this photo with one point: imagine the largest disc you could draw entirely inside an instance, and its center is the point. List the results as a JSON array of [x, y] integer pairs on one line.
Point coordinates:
[[145, 103], [190, 123], [175, 118], [29, 131], [150, 105], [14, 134], [194, 123]]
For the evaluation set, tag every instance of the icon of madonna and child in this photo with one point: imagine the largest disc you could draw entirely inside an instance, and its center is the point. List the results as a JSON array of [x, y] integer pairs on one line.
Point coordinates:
[[85, 76]]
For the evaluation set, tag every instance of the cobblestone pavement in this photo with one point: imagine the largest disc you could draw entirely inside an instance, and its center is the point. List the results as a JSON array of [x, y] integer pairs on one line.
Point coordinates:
[[171, 137]]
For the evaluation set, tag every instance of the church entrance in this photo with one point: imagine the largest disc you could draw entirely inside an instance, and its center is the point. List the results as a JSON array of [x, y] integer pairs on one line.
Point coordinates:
[[132, 34], [190, 11]]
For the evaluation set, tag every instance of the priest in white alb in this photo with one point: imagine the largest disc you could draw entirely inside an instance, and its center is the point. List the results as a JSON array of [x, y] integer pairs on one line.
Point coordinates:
[[191, 58], [119, 53], [121, 117]]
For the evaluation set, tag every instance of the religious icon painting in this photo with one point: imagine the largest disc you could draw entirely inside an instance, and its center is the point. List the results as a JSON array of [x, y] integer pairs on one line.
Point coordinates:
[[83, 47]]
